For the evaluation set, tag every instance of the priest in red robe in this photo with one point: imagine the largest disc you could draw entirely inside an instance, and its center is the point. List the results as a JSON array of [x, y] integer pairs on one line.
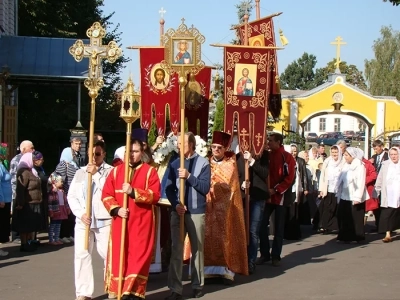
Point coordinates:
[[143, 192]]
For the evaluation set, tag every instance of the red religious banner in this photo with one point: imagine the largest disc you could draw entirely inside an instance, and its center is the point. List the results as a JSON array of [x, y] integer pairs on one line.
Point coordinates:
[[159, 90], [261, 33], [197, 102], [247, 72]]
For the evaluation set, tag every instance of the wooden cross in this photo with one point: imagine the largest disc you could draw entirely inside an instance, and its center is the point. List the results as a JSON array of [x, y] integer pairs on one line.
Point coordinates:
[[162, 12], [338, 42], [95, 51]]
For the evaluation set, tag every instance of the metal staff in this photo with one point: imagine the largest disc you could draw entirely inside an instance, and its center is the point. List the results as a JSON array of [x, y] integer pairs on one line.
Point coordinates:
[[130, 112]]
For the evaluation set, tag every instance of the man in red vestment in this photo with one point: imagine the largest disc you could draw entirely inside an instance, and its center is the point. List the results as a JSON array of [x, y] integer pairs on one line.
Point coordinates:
[[143, 191]]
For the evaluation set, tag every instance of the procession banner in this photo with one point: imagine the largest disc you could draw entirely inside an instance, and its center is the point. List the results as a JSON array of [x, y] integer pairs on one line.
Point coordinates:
[[159, 90], [261, 33], [247, 82], [197, 102]]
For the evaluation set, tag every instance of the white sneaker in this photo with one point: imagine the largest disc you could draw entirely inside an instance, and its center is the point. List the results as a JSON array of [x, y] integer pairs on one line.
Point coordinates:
[[17, 241], [71, 239], [3, 253], [65, 240]]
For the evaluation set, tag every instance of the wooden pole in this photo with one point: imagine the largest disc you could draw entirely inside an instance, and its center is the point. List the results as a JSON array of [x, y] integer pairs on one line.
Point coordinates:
[[124, 205], [93, 96], [182, 84], [246, 26], [247, 200]]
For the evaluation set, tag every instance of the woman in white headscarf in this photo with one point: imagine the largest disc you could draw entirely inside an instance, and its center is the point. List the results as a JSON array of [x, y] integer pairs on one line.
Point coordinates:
[[330, 172], [351, 194], [388, 186]]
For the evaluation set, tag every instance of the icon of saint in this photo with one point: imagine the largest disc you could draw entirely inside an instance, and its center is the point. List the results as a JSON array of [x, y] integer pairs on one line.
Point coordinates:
[[245, 85], [183, 56]]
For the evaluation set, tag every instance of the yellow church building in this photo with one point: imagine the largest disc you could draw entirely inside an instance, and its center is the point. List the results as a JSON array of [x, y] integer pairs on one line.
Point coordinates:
[[379, 114]]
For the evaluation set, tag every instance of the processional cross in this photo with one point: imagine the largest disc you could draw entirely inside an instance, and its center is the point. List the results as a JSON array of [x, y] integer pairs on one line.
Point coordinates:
[[95, 51], [338, 42]]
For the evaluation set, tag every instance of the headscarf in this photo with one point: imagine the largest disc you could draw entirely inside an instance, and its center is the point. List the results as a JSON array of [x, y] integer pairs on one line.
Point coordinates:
[[393, 169], [120, 153], [3, 155], [311, 154], [26, 162], [67, 156], [337, 162], [360, 154], [352, 151]]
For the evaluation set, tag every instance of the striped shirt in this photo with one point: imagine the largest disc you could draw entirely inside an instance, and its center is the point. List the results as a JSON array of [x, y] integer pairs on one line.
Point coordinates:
[[67, 172]]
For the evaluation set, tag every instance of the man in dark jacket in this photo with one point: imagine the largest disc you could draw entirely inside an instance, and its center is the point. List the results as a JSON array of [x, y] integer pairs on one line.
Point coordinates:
[[281, 177], [258, 191]]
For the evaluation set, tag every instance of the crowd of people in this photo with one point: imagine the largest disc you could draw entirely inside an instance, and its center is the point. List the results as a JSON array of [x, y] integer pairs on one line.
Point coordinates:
[[281, 190]]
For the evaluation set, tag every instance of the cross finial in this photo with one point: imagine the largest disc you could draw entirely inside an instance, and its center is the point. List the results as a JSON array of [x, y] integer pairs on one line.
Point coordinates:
[[338, 42], [162, 12], [183, 20]]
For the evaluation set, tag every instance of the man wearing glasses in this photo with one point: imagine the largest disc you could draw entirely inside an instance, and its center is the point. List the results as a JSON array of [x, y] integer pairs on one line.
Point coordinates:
[[225, 247], [99, 222]]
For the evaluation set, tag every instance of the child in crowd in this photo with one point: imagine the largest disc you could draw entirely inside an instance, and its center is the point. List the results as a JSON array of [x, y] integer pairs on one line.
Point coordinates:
[[58, 208]]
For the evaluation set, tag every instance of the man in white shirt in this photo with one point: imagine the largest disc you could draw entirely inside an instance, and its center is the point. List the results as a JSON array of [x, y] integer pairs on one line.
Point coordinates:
[[99, 222]]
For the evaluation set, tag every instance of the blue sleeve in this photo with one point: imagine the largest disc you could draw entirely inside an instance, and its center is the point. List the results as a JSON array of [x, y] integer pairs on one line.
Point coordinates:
[[201, 183], [171, 189], [1, 176]]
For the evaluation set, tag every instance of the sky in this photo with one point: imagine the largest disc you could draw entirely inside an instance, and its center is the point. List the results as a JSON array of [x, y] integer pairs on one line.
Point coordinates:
[[309, 25]]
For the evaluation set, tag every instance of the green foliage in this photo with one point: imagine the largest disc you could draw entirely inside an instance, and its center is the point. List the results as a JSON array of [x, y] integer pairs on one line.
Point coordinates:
[[353, 75], [244, 6], [383, 71], [299, 75], [394, 2], [219, 115], [295, 138]]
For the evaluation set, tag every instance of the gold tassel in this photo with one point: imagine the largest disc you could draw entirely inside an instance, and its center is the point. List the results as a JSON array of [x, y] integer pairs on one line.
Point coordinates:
[[216, 82], [284, 40]]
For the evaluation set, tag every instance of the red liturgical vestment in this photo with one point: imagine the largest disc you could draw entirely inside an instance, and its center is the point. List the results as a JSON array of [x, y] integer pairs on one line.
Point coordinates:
[[139, 228]]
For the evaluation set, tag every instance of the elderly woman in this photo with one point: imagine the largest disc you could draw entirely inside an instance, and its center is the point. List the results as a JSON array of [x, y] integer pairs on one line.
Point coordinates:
[[27, 216], [387, 185], [66, 169], [5, 199], [351, 194], [330, 172]]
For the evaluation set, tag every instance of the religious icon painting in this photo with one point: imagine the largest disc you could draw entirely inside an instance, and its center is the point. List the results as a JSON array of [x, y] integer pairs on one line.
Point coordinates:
[[183, 51], [158, 80], [246, 79], [257, 41]]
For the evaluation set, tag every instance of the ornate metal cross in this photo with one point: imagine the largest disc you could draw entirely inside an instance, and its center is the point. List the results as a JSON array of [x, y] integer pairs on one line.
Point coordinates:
[[162, 12], [95, 51]]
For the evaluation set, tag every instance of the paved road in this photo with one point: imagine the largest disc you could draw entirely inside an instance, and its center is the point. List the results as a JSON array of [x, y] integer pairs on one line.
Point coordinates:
[[314, 268]]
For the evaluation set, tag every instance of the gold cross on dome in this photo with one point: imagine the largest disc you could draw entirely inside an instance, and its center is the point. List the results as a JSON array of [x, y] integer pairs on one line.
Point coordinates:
[[162, 12], [338, 42]]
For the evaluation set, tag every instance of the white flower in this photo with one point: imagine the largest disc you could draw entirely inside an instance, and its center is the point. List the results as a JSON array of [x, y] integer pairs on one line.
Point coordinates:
[[201, 146]]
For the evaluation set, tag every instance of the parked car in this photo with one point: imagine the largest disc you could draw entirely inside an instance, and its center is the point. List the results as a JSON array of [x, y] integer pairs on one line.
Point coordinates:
[[311, 137], [349, 134], [359, 136], [331, 138]]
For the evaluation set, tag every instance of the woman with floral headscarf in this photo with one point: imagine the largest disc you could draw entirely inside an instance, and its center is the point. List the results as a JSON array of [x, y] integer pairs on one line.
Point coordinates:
[[351, 194], [330, 172], [5, 198], [27, 217], [387, 185]]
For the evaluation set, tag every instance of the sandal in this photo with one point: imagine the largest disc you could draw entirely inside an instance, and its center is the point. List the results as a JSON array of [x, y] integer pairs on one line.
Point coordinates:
[[387, 240]]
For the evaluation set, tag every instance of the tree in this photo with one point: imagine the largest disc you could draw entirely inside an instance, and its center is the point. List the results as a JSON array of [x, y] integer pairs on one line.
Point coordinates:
[[383, 71], [353, 75], [47, 111], [394, 2], [219, 115], [299, 75]]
